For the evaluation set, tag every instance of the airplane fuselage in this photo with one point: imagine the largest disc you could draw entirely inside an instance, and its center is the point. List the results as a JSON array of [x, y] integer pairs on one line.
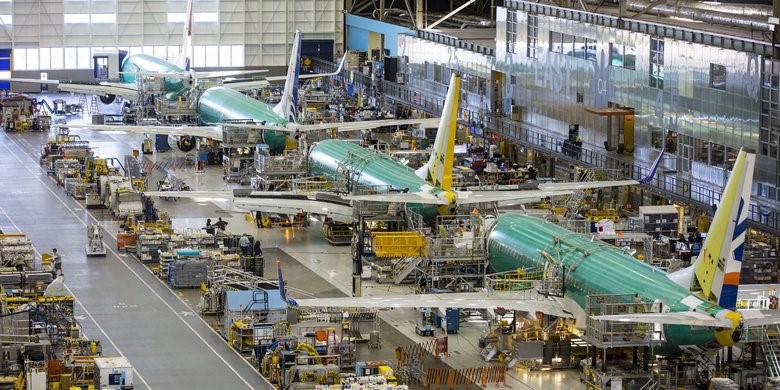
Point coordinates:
[[220, 104], [332, 158], [144, 63], [595, 268]]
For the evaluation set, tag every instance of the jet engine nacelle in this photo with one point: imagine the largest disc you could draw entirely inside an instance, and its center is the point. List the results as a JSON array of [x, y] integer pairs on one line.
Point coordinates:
[[186, 143]]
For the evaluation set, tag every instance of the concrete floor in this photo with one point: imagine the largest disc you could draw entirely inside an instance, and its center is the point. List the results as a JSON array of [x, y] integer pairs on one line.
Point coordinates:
[[135, 314]]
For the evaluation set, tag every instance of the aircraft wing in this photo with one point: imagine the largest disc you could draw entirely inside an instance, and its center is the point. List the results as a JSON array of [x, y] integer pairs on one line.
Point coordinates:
[[292, 205], [220, 195], [282, 202], [755, 318], [584, 185], [505, 198], [211, 132], [410, 197], [691, 318], [478, 300], [313, 75], [226, 73], [245, 84], [341, 126], [128, 91]]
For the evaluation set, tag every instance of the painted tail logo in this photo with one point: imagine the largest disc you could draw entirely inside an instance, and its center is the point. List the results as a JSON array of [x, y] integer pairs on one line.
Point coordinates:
[[186, 43], [653, 168], [438, 169], [718, 268], [282, 285]]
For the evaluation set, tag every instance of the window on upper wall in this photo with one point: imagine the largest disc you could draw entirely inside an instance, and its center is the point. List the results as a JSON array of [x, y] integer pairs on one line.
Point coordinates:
[[718, 76], [769, 123], [657, 63], [511, 31], [623, 56], [533, 35], [6, 19], [556, 42]]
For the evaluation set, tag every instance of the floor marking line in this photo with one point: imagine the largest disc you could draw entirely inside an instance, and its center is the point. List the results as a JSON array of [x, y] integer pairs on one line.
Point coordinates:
[[100, 328], [139, 276]]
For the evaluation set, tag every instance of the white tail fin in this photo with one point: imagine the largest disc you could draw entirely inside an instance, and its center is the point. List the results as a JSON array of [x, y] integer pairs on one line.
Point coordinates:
[[288, 106], [186, 44], [438, 169], [715, 273]]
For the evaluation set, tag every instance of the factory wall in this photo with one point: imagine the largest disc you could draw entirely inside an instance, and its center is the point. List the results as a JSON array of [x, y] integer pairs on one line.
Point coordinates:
[[702, 102], [358, 28]]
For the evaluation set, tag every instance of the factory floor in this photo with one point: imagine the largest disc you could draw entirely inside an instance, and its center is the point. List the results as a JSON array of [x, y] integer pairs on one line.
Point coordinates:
[[133, 313]]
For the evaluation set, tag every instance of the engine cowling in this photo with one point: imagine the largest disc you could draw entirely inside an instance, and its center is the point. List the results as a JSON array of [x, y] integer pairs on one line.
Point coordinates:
[[186, 143], [107, 98]]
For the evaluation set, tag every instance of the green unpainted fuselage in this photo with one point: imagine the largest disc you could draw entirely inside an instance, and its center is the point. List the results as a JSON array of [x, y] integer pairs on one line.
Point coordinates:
[[368, 168], [593, 268], [215, 105], [220, 104], [140, 63]]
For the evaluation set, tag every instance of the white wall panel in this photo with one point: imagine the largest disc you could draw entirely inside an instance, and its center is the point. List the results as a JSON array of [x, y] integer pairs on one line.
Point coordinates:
[[263, 28]]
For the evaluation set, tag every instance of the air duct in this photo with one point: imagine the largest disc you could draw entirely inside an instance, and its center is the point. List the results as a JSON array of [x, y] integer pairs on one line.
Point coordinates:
[[751, 17]]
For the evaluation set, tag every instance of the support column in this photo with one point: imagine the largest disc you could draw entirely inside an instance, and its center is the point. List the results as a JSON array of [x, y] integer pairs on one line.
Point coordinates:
[[420, 19]]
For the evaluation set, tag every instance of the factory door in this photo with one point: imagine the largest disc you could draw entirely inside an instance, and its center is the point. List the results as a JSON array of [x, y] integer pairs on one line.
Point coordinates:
[[317, 48]]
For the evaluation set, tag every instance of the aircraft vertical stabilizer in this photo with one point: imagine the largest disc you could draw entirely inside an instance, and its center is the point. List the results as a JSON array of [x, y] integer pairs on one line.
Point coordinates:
[[186, 43], [717, 269], [288, 106], [438, 169]]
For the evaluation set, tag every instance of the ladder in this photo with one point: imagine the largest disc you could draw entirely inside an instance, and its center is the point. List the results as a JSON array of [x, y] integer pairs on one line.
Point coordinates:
[[83, 101], [93, 106]]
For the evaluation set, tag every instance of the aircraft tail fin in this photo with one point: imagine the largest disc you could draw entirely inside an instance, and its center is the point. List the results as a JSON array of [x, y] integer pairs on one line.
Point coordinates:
[[438, 169], [653, 168], [282, 285], [288, 106], [717, 269], [186, 44]]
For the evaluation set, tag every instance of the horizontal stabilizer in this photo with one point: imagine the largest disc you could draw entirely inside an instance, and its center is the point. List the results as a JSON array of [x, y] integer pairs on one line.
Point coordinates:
[[690, 318]]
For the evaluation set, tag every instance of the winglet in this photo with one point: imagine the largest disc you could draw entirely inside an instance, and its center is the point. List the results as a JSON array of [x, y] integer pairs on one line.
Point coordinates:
[[282, 286], [288, 106], [653, 168], [717, 269], [438, 169], [186, 44]]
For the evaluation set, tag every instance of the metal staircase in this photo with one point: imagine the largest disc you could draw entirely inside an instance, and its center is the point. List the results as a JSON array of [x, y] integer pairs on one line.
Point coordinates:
[[574, 201], [771, 349], [403, 267]]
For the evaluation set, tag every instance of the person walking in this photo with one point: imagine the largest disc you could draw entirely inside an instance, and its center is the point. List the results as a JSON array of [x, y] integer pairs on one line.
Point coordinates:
[[56, 261], [244, 244]]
